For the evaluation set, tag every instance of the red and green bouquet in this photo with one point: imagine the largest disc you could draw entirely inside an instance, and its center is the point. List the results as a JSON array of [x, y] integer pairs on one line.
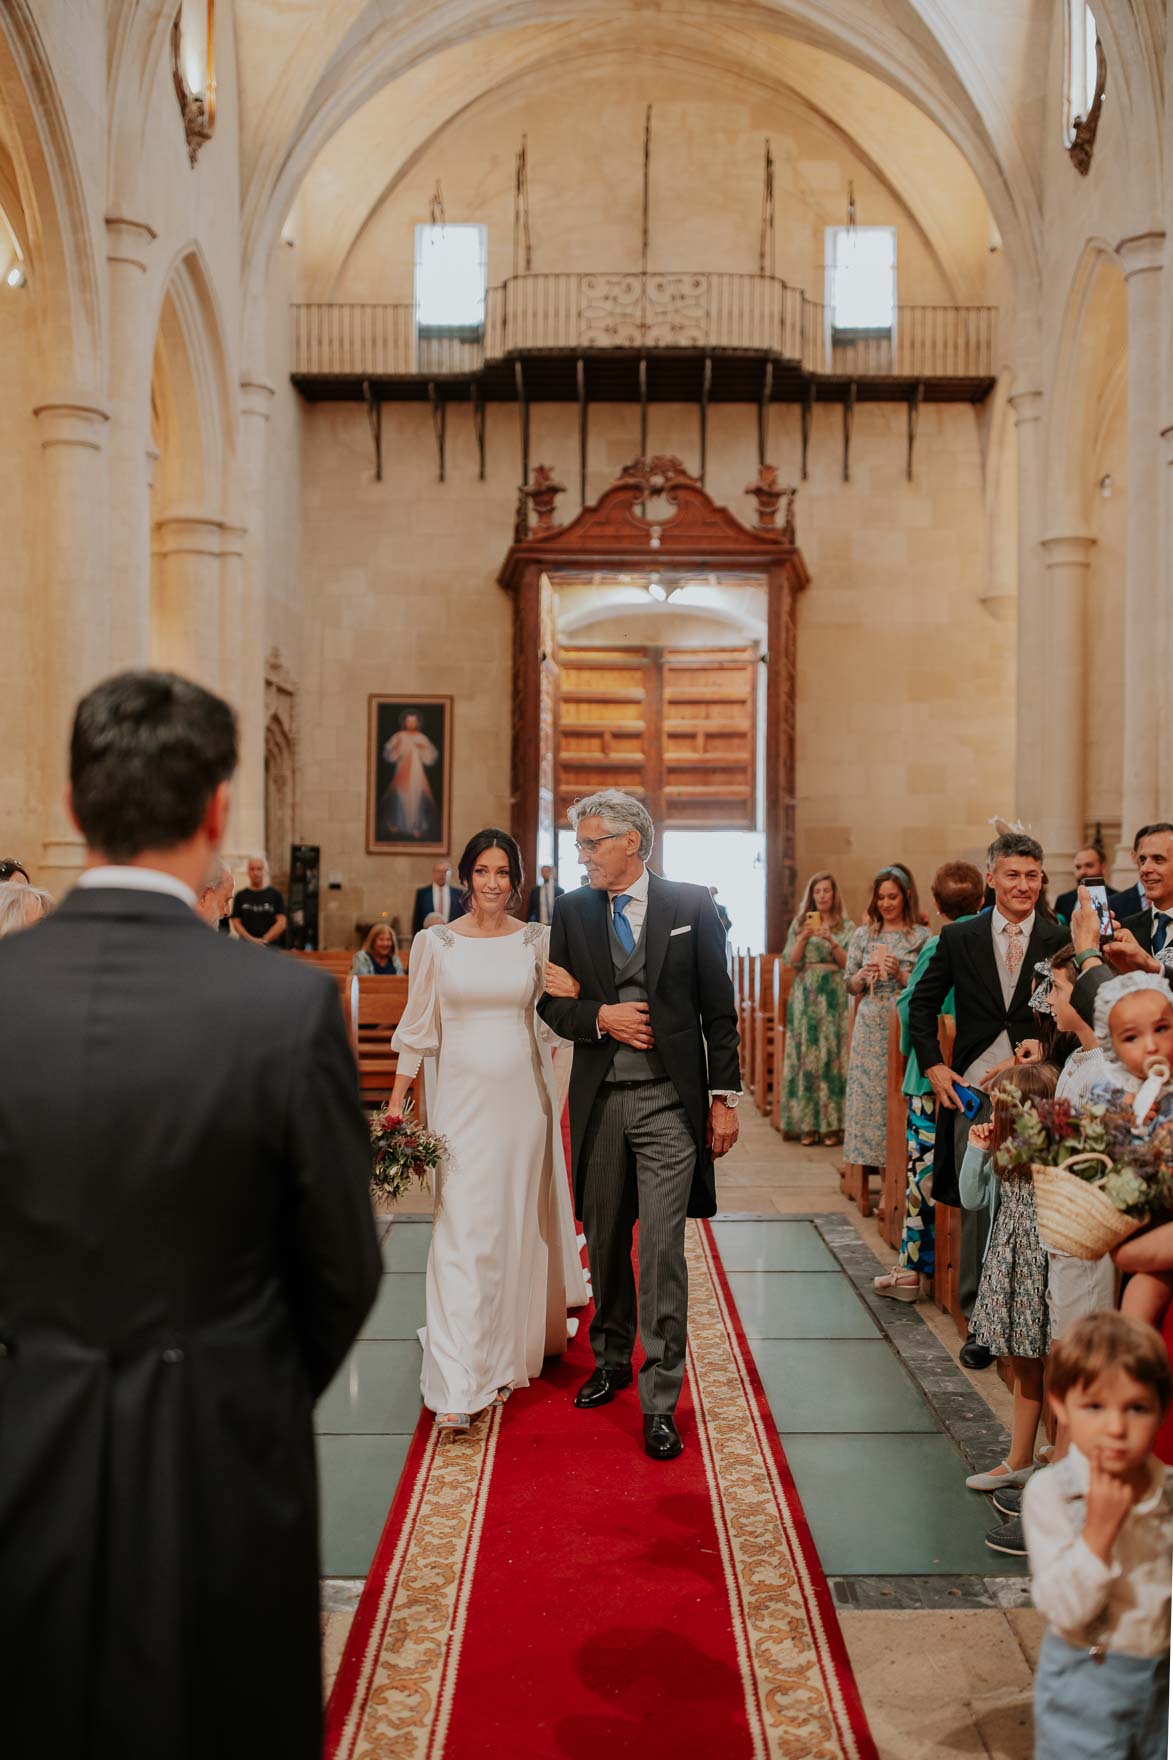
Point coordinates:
[[403, 1153]]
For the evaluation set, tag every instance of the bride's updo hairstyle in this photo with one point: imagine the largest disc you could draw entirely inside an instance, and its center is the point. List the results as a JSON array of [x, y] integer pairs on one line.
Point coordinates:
[[476, 846]]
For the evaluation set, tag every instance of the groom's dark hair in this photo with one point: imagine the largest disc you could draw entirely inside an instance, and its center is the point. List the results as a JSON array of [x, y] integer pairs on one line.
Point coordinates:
[[492, 838], [147, 753]]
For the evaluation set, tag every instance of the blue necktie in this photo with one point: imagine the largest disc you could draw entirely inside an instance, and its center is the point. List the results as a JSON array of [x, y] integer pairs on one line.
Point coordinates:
[[1160, 930], [622, 926]]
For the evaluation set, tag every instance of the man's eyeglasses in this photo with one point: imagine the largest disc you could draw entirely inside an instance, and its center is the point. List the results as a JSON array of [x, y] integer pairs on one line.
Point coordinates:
[[590, 844], [10, 866]]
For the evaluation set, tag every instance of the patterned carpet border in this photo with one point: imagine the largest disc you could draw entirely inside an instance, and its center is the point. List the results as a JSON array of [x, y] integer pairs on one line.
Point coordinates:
[[393, 1695], [801, 1694]]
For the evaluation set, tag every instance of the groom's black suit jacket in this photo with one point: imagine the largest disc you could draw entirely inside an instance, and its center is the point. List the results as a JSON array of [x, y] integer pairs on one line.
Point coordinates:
[[186, 1253], [690, 1001], [964, 961]]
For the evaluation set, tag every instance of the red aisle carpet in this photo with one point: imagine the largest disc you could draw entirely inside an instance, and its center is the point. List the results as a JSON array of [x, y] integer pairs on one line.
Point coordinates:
[[543, 1590]]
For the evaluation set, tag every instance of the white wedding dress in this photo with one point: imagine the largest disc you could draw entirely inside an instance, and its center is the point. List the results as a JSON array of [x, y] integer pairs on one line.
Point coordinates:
[[504, 1265]]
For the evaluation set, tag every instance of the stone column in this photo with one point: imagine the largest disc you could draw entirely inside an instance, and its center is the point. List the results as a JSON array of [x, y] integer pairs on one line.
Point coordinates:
[[1030, 792], [248, 828], [74, 606], [131, 356], [1144, 675], [1165, 600], [238, 846], [1057, 673], [185, 615]]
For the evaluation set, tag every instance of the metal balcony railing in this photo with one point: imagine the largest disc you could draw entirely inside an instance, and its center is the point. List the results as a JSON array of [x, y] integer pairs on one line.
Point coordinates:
[[610, 313]]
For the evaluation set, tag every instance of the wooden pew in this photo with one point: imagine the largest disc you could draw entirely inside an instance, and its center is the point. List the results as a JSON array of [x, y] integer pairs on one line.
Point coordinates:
[[763, 1030], [376, 1008], [745, 1015], [948, 1219], [894, 1186], [784, 975]]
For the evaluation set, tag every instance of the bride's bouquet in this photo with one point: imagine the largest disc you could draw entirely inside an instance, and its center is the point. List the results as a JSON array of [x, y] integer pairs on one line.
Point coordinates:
[[402, 1152], [1096, 1178]]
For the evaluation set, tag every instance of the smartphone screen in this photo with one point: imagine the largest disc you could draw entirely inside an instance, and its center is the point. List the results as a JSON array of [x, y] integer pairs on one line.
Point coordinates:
[[1098, 893]]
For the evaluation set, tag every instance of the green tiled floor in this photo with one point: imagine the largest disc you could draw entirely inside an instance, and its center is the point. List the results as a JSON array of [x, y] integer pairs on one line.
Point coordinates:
[[883, 1487], [358, 1475], [799, 1304], [892, 1505], [367, 1415], [399, 1307], [827, 1386], [375, 1393], [772, 1246]]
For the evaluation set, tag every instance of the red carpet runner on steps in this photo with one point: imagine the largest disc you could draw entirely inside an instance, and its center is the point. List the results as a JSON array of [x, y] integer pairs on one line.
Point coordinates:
[[543, 1590]]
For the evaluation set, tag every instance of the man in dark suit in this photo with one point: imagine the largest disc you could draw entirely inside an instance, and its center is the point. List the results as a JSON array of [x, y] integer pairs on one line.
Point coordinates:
[[1136, 942], [543, 898], [988, 962], [439, 899], [186, 1253], [653, 1094], [1089, 864]]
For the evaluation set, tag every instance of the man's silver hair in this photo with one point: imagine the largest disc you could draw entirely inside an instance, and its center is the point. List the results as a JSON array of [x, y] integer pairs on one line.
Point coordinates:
[[216, 875], [621, 812], [22, 906]]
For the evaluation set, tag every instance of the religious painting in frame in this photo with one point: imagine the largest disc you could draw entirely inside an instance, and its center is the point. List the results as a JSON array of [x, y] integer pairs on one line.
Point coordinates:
[[409, 775]]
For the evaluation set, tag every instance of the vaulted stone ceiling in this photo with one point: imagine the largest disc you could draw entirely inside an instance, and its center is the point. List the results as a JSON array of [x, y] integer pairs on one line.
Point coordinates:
[[978, 72]]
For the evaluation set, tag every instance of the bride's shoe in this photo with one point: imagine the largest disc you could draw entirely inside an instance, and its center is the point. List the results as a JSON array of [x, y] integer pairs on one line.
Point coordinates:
[[501, 1395], [455, 1423]]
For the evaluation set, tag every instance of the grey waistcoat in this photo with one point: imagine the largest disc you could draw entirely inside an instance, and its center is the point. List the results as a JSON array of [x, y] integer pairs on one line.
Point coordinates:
[[631, 982]]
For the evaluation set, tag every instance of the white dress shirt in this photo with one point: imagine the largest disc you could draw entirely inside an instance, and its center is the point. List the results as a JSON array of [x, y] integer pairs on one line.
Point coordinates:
[[1001, 1049], [546, 902], [1122, 1606], [440, 896], [137, 880]]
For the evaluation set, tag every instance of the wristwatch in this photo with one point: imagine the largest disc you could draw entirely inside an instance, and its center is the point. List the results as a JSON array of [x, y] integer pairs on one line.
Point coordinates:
[[732, 1099], [1088, 953]]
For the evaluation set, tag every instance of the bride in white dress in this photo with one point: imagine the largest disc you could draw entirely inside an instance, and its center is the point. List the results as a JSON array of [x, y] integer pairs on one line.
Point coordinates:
[[504, 1265]]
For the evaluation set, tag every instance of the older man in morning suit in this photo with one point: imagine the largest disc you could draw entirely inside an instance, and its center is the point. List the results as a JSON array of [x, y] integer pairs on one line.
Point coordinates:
[[653, 1094], [186, 1253]]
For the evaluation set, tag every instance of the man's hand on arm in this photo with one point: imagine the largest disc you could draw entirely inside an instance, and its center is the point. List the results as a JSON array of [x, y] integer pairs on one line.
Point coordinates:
[[629, 1022], [278, 929]]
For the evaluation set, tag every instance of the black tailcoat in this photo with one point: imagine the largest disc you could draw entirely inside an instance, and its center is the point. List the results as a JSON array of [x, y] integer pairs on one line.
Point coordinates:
[[690, 1001], [186, 1253], [964, 961]]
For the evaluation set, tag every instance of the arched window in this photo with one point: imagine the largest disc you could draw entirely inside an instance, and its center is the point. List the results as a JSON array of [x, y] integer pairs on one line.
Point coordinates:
[[1083, 87]]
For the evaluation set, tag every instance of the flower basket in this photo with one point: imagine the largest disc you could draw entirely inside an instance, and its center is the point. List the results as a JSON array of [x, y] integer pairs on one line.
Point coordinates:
[[1074, 1215]]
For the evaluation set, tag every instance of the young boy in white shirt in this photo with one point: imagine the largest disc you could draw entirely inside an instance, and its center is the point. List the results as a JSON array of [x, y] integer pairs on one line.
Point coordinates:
[[1099, 1529]]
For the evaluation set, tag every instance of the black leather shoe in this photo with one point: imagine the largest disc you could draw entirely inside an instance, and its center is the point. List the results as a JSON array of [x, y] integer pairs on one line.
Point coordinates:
[[661, 1437], [975, 1355], [600, 1389]]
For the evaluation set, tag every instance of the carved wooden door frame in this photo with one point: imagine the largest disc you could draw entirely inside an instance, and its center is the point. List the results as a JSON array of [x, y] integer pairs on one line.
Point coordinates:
[[658, 516]]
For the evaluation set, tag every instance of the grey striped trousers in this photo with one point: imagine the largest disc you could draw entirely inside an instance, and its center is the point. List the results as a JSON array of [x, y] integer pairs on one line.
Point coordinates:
[[639, 1148]]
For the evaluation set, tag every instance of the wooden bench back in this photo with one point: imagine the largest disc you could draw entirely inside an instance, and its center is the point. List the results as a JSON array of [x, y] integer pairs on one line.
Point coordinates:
[[376, 1009]]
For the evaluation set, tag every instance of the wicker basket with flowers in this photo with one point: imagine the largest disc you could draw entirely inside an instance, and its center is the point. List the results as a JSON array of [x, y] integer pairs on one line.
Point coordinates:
[[1097, 1179]]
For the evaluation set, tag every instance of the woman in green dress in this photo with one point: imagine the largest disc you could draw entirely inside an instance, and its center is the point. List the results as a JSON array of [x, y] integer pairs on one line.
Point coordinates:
[[814, 1066]]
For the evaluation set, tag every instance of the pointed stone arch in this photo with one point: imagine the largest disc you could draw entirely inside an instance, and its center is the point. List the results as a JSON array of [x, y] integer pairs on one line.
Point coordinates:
[[194, 430], [1092, 344], [62, 260]]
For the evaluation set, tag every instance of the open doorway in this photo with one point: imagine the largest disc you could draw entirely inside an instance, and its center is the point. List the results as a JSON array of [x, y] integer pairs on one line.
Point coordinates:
[[657, 688]]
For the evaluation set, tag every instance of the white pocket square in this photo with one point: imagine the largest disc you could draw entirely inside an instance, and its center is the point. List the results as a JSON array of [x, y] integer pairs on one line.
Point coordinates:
[[686, 930]]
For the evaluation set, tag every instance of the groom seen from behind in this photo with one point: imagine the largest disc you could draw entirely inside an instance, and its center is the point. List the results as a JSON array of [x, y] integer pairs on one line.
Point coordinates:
[[186, 1253], [653, 1093]]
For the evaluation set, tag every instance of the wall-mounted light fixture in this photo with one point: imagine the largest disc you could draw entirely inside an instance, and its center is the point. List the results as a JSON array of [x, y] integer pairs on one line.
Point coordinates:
[[16, 277], [193, 69]]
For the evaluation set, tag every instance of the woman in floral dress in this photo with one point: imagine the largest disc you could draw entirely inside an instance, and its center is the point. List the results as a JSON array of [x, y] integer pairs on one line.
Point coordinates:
[[882, 954], [814, 1065]]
